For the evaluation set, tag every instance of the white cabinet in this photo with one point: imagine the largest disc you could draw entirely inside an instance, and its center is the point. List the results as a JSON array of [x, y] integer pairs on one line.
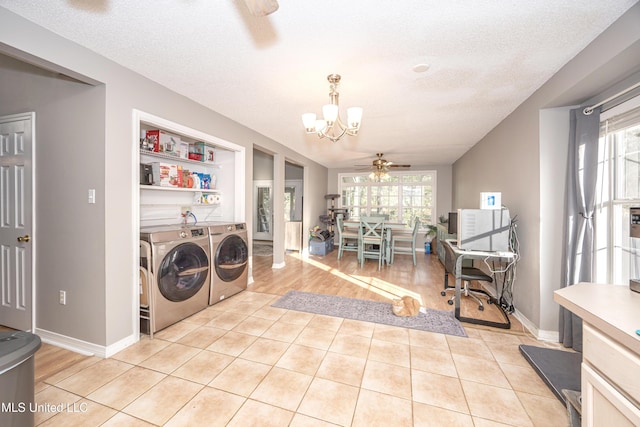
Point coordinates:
[[166, 204], [611, 352]]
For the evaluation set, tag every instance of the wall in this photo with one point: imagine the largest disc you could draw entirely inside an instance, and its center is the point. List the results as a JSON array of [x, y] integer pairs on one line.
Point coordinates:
[[68, 156], [518, 154], [262, 166], [105, 321]]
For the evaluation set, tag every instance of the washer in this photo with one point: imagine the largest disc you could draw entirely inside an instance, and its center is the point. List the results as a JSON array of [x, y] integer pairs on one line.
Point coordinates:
[[229, 260], [179, 265]]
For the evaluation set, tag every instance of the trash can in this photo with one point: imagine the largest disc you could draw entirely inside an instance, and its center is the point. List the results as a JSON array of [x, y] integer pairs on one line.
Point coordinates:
[[17, 405]]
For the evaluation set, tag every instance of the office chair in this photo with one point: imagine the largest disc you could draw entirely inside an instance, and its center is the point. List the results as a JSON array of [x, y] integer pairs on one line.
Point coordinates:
[[466, 275], [345, 236]]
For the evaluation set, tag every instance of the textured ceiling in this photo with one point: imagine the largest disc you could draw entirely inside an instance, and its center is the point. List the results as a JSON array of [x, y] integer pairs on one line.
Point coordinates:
[[486, 57]]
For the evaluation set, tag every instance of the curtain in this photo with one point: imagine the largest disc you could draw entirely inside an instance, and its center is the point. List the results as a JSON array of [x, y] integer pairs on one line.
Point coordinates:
[[582, 173]]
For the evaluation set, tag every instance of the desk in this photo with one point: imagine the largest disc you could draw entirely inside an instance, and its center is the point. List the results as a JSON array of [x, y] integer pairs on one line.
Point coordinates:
[[465, 254], [388, 226]]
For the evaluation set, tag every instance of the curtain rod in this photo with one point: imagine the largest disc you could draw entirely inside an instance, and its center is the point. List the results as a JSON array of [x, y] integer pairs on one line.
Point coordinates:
[[589, 110]]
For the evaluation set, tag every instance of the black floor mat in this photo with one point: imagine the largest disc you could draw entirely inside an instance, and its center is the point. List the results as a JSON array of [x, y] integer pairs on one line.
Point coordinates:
[[558, 369]]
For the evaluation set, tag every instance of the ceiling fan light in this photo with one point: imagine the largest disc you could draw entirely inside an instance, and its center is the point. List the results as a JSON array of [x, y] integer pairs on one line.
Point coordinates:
[[309, 122], [354, 117], [330, 113], [261, 7]]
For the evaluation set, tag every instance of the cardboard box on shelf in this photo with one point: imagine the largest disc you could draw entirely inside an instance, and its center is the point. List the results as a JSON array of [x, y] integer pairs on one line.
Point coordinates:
[[196, 151], [209, 154], [165, 174], [164, 142]]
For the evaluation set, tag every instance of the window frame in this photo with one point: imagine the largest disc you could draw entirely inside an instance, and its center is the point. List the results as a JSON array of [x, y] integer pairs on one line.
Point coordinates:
[[396, 179]]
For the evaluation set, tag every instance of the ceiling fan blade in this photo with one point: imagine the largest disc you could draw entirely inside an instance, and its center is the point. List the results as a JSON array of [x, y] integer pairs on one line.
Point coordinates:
[[399, 166]]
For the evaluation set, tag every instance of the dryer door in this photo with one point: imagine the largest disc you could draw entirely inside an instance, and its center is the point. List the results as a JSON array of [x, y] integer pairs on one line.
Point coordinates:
[[183, 272], [231, 258]]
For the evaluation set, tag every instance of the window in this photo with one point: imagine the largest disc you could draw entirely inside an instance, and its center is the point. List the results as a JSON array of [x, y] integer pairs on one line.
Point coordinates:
[[403, 195], [617, 255]]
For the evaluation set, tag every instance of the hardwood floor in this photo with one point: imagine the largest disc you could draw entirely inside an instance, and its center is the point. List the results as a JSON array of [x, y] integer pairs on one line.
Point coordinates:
[[328, 275]]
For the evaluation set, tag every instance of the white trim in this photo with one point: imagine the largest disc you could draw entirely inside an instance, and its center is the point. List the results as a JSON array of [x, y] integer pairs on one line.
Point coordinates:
[[551, 336], [622, 108], [32, 117], [84, 347], [278, 265]]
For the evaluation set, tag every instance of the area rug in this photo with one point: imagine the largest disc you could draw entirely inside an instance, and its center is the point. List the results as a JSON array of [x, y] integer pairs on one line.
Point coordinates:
[[262, 249], [442, 322]]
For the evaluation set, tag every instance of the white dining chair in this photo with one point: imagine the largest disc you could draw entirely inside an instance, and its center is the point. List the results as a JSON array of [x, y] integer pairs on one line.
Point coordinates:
[[347, 239], [405, 242]]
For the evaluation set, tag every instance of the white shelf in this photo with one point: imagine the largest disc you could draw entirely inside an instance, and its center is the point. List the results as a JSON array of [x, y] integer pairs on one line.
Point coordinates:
[[179, 189], [178, 159]]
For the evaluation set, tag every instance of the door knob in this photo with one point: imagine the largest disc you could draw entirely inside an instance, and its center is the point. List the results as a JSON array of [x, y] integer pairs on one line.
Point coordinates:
[[24, 238]]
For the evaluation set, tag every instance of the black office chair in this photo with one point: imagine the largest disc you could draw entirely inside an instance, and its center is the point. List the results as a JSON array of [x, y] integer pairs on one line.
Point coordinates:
[[467, 274]]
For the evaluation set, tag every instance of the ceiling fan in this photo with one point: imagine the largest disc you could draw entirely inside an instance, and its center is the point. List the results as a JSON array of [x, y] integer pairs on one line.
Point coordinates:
[[382, 165]]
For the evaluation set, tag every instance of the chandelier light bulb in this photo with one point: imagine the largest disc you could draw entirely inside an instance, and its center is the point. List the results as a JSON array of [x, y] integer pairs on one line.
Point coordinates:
[[309, 122]]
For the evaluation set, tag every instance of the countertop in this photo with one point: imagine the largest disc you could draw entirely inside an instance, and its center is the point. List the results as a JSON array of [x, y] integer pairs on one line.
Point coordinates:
[[615, 310]]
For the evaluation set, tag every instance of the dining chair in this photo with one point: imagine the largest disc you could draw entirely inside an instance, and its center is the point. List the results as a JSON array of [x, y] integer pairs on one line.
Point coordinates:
[[371, 239], [466, 275], [347, 239], [405, 242]]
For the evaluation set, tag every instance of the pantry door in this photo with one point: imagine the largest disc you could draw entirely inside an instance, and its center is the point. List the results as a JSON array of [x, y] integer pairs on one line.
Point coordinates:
[[16, 220]]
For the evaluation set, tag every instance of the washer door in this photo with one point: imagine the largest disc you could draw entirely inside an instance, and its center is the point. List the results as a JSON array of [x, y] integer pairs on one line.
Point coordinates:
[[183, 272], [231, 258]]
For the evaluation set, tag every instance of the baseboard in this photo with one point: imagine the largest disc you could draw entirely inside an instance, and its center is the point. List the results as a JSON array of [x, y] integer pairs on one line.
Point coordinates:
[[278, 265], [84, 347], [542, 335]]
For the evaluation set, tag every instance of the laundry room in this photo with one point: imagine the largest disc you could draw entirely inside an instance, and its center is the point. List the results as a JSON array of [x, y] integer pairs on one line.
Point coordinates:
[[193, 239]]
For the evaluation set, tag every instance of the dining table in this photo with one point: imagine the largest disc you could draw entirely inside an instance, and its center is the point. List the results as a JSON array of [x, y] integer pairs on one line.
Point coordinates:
[[389, 228]]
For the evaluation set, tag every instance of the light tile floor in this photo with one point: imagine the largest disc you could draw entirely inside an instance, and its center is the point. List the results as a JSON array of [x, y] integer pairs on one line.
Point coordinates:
[[244, 363]]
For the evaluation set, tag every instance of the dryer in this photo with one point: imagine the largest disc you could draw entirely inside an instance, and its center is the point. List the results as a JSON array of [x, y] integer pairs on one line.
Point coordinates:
[[229, 260], [179, 265]]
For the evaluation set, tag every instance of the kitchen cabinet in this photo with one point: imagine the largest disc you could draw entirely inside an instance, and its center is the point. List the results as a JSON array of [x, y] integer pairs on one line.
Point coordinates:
[[611, 352]]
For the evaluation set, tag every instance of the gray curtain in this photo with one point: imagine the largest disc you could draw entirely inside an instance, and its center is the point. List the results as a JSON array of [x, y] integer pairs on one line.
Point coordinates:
[[582, 174]]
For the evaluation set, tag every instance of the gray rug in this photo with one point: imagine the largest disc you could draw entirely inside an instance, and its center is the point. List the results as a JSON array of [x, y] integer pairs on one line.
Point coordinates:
[[262, 249], [442, 322]]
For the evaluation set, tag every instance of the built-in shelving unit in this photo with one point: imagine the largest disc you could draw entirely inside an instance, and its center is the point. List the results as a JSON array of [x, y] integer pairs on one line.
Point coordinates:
[[162, 204]]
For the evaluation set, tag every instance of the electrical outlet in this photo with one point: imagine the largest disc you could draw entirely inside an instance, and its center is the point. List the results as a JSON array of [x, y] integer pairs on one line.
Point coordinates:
[[184, 210], [63, 297]]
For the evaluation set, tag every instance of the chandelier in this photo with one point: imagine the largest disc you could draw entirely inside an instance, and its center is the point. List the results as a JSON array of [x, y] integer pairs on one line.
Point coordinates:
[[331, 126]]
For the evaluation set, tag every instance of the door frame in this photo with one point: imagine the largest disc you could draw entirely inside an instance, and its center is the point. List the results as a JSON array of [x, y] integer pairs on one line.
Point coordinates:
[[32, 117]]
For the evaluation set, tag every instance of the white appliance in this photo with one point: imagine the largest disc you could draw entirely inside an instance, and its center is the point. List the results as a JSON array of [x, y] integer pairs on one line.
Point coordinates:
[[484, 229], [229, 260], [179, 265]]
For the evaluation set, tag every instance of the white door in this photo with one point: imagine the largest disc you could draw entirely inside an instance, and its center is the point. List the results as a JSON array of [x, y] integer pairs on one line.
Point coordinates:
[[16, 220], [263, 210]]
